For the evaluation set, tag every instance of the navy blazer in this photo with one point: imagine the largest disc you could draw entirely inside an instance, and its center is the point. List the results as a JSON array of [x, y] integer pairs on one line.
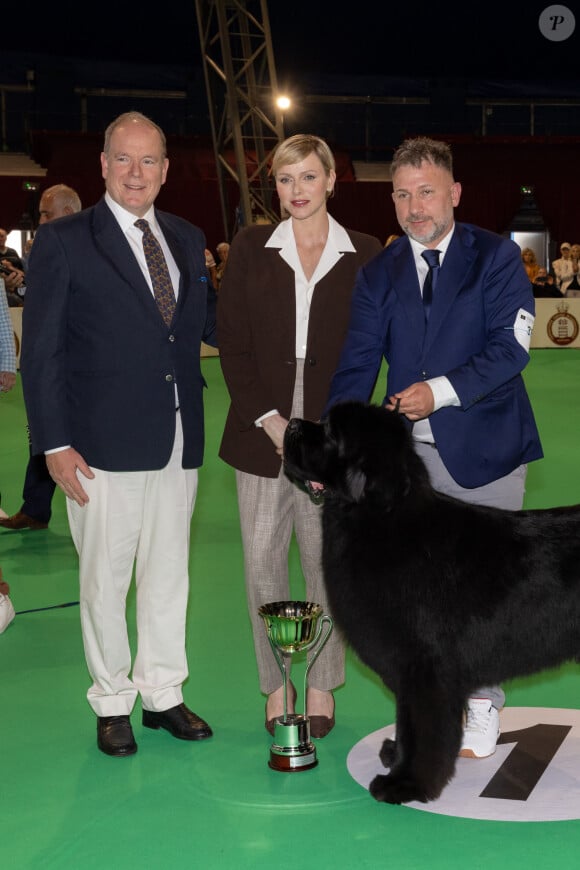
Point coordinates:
[[470, 338], [99, 365]]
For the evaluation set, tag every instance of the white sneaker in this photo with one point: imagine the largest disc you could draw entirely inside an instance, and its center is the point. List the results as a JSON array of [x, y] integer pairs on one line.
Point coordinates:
[[6, 612], [481, 729]]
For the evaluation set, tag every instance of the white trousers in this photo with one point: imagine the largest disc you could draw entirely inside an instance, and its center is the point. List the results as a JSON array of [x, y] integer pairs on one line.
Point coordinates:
[[135, 520]]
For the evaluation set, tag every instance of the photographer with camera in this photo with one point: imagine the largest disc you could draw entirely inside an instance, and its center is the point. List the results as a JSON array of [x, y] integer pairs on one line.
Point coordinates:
[[544, 285], [14, 283]]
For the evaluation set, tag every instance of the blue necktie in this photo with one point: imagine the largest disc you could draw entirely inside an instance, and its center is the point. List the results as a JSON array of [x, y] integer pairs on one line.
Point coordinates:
[[432, 260]]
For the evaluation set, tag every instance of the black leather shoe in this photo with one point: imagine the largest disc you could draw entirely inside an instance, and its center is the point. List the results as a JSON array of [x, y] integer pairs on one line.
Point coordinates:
[[115, 735], [179, 721]]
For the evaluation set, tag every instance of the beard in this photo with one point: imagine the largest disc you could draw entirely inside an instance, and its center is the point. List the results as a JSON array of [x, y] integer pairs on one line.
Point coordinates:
[[438, 230]]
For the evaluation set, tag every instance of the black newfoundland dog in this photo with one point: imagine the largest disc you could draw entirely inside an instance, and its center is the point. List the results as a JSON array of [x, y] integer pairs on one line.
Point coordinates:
[[437, 596]]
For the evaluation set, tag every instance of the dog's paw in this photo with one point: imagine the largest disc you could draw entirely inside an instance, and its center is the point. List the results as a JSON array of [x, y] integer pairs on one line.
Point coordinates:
[[391, 789], [387, 753]]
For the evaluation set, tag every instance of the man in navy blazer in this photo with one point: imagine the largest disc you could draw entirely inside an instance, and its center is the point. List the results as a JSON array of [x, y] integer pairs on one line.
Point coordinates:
[[113, 393], [56, 201], [454, 359]]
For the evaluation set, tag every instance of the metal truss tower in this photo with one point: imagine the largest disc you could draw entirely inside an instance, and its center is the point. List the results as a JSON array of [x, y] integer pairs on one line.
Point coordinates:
[[241, 84]]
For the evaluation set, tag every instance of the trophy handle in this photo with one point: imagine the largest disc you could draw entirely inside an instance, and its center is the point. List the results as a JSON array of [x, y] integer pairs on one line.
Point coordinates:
[[328, 620], [282, 665]]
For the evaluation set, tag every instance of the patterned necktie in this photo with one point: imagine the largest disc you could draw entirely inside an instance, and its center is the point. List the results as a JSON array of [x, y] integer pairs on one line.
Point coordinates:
[[157, 265], [432, 260]]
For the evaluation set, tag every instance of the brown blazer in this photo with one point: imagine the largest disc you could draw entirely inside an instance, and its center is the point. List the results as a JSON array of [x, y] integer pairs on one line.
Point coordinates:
[[256, 323]]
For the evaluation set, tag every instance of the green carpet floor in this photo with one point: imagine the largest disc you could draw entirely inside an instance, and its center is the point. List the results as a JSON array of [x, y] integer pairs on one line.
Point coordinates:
[[217, 804]]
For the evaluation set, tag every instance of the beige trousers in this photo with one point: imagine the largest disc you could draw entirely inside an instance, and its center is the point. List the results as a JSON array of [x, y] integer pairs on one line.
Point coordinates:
[[270, 510]]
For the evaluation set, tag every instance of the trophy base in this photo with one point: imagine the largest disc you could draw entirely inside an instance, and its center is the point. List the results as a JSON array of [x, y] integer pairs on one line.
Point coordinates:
[[292, 749]]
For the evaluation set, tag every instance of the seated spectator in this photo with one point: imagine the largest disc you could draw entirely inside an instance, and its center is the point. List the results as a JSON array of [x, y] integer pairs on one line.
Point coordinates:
[[14, 283], [223, 250], [9, 254], [545, 285], [211, 266], [530, 263], [562, 267], [571, 286]]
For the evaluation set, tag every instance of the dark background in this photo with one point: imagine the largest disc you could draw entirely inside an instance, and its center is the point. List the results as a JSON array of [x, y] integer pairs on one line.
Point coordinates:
[[492, 39], [446, 54]]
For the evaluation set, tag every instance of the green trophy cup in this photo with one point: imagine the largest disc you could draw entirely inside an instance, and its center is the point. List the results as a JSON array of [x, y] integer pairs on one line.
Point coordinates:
[[294, 626]]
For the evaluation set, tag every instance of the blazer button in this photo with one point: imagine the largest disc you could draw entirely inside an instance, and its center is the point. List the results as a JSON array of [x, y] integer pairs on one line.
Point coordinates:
[[312, 361], [168, 378], [171, 338]]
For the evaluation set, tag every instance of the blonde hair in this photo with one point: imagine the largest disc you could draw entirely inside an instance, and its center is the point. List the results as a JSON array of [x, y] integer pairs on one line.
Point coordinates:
[[296, 148]]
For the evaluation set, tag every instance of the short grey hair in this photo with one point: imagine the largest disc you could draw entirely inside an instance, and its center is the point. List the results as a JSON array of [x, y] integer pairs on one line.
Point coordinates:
[[137, 118], [65, 195], [413, 152]]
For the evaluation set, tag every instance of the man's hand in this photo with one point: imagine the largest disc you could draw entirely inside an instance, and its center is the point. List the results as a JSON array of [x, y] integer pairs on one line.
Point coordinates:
[[274, 427], [62, 467], [415, 402], [7, 381], [14, 279]]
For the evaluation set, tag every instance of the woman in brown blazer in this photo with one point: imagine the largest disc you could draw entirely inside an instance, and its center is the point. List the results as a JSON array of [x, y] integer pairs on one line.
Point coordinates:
[[283, 313]]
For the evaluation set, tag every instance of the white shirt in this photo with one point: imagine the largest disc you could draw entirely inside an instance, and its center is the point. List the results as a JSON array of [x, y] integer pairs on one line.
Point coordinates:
[[134, 235], [337, 242]]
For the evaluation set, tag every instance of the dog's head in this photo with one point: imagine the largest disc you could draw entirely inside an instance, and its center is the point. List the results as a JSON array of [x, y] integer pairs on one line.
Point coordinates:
[[359, 453]]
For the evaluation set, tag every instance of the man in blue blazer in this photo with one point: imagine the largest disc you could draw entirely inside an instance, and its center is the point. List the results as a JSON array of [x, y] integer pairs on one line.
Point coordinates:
[[113, 390], [450, 308]]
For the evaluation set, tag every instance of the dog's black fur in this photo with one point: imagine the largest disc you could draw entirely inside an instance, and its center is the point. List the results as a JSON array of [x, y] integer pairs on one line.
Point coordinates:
[[438, 596]]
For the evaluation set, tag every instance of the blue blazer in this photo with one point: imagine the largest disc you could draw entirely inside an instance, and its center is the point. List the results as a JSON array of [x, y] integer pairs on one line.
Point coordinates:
[[470, 338], [99, 366]]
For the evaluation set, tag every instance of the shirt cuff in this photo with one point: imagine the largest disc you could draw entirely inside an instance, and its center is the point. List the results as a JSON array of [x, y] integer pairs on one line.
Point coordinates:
[[258, 422], [444, 395]]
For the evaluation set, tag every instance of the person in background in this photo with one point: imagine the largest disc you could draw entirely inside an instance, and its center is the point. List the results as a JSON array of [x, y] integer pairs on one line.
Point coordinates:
[[36, 510], [223, 250], [545, 285], [391, 239], [118, 303], [9, 254], [562, 267], [570, 286], [14, 283], [450, 308], [7, 345], [7, 381], [283, 310], [530, 264], [211, 267]]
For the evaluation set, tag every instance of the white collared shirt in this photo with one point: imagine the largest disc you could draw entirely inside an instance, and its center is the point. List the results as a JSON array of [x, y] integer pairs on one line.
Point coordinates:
[[337, 242], [134, 236]]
